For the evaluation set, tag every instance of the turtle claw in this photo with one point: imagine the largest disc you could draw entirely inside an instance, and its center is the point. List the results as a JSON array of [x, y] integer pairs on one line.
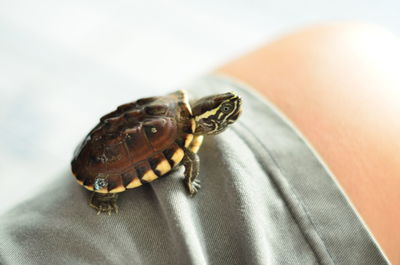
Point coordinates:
[[105, 208], [196, 184], [115, 207], [194, 187], [103, 203]]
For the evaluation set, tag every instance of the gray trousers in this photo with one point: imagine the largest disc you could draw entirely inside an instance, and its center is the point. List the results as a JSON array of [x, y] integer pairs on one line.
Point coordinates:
[[266, 198]]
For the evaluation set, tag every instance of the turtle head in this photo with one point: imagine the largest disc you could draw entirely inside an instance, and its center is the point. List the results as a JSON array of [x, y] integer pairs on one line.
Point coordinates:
[[213, 114]]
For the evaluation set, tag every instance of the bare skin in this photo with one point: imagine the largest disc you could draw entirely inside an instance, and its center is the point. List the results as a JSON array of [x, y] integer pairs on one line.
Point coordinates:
[[340, 85]]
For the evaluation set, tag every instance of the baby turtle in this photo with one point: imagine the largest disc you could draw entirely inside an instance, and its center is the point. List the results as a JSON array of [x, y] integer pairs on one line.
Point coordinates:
[[143, 140]]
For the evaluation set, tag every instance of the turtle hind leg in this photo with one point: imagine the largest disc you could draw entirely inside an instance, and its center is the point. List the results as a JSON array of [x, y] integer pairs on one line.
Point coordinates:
[[104, 202], [191, 161]]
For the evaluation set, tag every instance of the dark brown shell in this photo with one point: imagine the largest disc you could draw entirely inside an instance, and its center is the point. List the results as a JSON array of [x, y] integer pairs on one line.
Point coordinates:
[[136, 143]]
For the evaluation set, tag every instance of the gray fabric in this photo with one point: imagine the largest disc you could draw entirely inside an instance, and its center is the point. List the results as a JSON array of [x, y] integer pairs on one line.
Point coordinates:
[[266, 198]]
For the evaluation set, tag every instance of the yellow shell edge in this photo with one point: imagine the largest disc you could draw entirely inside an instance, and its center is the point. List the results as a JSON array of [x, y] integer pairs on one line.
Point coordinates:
[[149, 176], [188, 140], [163, 167], [196, 143], [117, 189], [134, 183], [177, 156]]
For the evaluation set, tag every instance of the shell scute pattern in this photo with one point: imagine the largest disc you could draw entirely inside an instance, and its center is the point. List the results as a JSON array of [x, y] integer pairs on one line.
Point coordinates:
[[136, 143]]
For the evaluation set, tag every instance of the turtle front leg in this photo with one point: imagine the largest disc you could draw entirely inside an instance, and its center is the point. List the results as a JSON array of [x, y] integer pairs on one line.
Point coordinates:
[[191, 161], [104, 202]]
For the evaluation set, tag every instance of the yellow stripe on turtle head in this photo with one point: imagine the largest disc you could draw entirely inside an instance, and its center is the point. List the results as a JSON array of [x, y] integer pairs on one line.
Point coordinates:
[[207, 114]]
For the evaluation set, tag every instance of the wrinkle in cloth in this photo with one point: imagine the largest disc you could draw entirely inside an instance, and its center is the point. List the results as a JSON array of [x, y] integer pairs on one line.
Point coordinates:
[[266, 198]]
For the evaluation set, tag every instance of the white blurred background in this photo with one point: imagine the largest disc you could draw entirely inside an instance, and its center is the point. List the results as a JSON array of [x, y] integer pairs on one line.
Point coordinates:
[[65, 63]]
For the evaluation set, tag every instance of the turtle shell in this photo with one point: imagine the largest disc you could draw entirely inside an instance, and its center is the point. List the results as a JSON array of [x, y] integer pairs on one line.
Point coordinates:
[[137, 143]]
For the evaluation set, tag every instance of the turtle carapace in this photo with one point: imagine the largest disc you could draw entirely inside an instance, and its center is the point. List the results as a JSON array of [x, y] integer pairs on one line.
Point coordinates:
[[144, 140]]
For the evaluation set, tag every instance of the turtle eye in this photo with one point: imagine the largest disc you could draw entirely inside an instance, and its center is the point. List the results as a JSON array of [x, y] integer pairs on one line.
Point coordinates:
[[227, 107]]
